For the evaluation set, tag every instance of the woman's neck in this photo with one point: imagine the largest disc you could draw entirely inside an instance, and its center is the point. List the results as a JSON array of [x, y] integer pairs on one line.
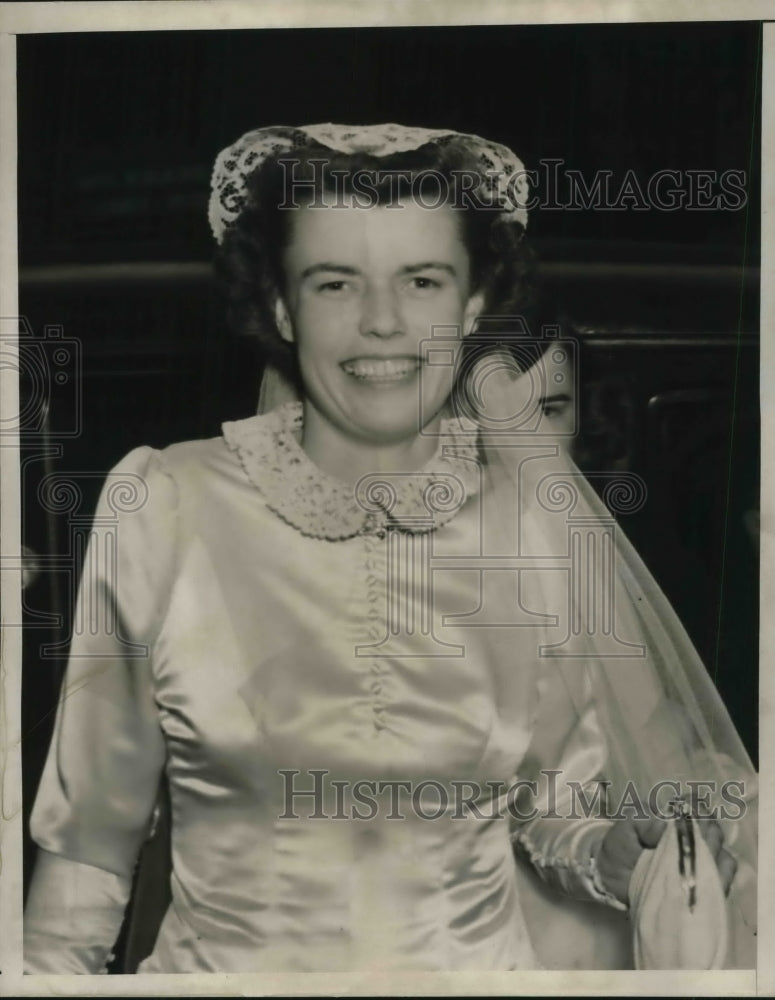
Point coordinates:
[[349, 458]]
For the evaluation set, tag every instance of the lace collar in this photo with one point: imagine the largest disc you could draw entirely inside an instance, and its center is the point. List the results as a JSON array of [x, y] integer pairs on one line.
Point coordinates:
[[322, 506]]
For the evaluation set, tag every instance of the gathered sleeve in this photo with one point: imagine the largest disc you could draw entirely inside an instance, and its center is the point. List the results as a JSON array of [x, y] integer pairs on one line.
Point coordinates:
[[100, 780], [559, 815]]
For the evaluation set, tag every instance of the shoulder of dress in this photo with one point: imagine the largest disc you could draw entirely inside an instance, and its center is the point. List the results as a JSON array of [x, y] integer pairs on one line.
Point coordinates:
[[180, 467], [182, 454]]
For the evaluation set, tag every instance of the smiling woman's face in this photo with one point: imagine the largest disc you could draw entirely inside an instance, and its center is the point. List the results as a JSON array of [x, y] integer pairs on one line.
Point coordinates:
[[364, 289]]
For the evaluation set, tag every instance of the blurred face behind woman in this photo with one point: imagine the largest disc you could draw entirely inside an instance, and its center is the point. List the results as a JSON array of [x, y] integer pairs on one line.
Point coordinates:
[[364, 288]]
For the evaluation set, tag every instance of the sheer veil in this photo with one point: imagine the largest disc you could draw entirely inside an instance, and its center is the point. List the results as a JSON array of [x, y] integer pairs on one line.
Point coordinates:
[[668, 732]]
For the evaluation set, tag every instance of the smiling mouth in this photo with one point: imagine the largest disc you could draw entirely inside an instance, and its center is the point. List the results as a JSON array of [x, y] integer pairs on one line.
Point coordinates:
[[381, 369]]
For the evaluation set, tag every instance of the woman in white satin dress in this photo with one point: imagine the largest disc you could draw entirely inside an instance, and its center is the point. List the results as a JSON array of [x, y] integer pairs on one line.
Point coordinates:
[[303, 623]]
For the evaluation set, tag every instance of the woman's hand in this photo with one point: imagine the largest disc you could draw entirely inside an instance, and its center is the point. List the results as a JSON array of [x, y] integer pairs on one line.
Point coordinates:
[[621, 848], [628, 838]]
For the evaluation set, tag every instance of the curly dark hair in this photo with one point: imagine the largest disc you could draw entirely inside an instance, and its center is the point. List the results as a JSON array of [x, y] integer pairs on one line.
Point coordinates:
[[248, 263]]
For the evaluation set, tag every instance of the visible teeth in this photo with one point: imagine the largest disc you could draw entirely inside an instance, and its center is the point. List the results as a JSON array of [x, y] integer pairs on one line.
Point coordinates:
[[380, 368]]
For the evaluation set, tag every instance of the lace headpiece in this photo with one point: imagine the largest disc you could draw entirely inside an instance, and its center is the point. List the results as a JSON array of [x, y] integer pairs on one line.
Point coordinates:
[[503, 177]]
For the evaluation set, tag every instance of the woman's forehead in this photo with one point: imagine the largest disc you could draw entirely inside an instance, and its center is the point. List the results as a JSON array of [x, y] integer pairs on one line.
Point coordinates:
[[406, 226]]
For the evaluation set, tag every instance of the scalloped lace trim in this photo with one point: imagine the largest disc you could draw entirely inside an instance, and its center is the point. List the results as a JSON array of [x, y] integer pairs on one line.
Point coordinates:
[[321, 506]]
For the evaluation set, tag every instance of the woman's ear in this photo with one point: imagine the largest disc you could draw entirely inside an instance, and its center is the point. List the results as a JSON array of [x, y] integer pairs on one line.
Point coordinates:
[[283, 320], [472, 311]]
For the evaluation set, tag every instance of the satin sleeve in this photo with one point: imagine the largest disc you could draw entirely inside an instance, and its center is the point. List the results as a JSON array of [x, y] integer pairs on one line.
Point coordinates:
[[559, 814], [101, 776]]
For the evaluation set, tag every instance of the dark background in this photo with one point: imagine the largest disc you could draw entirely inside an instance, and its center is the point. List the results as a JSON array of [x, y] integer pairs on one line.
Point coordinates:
[[117, 135]]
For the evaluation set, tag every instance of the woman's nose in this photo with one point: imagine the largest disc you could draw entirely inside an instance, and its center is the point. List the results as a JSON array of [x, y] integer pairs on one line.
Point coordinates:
[[381, 314]]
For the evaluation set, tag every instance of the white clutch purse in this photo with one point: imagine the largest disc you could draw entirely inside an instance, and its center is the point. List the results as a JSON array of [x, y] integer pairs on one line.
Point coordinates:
[[677, 904]]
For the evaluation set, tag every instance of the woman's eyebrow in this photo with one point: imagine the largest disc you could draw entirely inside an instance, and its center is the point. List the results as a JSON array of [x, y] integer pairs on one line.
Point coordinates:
[[437, 265], [426, 265], [560, 397], [328, 266]]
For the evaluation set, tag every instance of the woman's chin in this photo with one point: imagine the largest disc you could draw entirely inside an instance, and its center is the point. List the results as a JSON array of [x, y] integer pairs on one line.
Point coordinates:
[[394, 425], [381, 418], [382, 433]]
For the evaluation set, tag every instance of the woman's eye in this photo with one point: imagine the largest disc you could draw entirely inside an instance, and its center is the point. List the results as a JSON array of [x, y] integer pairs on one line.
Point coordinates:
[[554, 409], [331, 286], [421, 283]]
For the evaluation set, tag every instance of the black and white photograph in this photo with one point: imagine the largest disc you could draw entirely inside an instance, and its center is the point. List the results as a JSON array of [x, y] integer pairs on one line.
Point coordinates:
[[383, 478]]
